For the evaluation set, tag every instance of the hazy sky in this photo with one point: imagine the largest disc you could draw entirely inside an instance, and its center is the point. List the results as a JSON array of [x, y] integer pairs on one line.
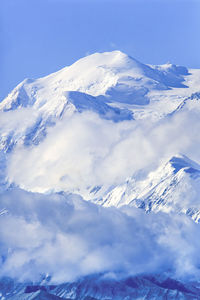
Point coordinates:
[[41, 36]]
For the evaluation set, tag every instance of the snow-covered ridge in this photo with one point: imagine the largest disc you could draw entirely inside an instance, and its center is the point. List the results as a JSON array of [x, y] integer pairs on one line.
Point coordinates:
[[173, 187]]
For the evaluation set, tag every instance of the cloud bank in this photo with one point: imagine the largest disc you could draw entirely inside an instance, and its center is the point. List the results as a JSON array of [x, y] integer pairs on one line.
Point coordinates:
[[66, 237], [84, 150]]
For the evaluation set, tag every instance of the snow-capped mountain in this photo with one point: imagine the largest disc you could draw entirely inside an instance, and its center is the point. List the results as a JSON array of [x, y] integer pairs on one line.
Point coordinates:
[[112, 84], [114, 75], [116, 88], [173, 187], [100, 130]]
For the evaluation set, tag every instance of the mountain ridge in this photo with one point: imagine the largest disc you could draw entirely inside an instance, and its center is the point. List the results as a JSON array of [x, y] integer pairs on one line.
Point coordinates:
[[164, 189]]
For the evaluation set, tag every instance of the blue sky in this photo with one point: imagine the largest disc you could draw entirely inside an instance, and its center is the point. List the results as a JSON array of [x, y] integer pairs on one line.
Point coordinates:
[[41, 36]]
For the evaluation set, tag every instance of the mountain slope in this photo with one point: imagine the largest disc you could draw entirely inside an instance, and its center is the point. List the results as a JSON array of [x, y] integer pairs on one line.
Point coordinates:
[[173, 187]]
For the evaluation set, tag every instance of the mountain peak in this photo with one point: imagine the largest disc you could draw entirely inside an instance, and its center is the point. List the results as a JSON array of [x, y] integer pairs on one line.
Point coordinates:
[[167, 189], [114, 76], [112, 58], [181, 161]]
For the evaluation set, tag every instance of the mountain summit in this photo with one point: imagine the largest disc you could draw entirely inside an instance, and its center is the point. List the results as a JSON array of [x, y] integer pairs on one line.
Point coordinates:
[[112, 84], [114, 75]]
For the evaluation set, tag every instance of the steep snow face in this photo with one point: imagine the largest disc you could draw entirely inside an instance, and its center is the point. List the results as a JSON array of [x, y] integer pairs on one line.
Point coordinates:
[[173, 187], [83, 102]]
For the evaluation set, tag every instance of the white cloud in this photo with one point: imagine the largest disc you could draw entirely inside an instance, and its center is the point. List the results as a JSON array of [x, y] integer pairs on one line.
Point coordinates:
[[51, 234], [85, 150], [68, 238]]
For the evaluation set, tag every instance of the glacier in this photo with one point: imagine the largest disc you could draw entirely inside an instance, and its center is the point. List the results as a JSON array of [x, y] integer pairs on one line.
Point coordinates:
[[100, 182]]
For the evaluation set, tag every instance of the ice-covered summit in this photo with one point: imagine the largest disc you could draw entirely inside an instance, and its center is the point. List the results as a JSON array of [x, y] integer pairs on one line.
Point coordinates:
[[112, 85], [112, 76]]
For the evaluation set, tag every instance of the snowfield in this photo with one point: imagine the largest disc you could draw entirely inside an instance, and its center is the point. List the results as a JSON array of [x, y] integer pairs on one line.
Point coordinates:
[[100, 182]]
